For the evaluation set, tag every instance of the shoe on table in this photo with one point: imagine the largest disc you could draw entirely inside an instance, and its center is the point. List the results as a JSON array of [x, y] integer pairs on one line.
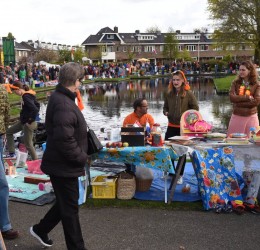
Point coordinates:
[[10, 234], [42, 238], [180, 180]]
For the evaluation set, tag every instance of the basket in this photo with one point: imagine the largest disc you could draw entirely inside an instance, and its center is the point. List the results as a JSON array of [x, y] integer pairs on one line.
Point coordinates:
[[126, 186], [143, 185]]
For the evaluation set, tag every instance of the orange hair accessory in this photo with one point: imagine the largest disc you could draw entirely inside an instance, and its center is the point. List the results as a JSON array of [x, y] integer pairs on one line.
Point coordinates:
[[79, 100]]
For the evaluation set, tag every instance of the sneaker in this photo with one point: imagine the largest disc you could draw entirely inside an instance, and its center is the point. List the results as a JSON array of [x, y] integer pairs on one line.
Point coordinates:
[[180, 180], [10, 156], [43, 238], [10, 234]]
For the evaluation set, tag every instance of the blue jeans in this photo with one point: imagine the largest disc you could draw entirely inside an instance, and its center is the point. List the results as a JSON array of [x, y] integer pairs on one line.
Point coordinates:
[[5, 224]]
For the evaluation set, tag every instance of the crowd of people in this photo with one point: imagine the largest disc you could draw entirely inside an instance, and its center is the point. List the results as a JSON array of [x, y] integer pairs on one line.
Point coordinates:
[[27, 73]]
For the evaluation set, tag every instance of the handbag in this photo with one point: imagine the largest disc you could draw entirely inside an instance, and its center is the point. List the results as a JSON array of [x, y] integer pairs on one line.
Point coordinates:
[[200, 126], [94, 145]]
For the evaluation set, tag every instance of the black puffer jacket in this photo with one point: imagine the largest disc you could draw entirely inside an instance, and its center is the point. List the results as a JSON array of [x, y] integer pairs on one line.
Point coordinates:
[[65, 154], [30, 107]]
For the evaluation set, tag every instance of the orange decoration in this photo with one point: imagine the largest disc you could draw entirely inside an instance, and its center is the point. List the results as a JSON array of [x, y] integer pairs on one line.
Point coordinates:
[[242, 89], [247, 92]]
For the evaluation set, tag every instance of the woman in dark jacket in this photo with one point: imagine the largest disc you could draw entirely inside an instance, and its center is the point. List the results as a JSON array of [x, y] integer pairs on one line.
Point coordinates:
[[64, 158], [27, 122]]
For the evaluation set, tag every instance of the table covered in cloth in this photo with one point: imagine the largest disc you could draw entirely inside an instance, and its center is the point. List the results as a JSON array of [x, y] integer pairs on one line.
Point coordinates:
[[150, 157]]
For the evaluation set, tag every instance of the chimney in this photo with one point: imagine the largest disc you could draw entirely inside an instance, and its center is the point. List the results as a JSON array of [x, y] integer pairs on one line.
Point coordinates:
[[178, 31], [137, 31], [116, 29]]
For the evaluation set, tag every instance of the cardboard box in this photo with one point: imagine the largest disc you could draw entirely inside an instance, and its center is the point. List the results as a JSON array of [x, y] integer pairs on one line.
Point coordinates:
[[135, 136]]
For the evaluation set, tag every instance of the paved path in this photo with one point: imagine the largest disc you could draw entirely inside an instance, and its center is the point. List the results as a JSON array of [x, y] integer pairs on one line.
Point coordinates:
[[127, 229]]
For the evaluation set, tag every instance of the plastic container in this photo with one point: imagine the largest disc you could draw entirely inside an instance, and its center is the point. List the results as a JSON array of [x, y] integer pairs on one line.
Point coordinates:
[[43, 146], [103, 188], [156, 133], [34, 167]]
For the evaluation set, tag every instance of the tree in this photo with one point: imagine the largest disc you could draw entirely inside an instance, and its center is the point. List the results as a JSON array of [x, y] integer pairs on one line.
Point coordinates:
[[237, 21], [185, 55], [10, 36], [64, 55], [46, 55], [153, 29], [170, 50]]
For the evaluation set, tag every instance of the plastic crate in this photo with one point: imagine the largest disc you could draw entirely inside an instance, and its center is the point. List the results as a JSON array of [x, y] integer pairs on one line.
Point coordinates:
[[103, 187]]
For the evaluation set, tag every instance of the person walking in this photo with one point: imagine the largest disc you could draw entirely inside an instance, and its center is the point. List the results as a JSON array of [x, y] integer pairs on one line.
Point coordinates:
[[64, 159], [27, 122], [5, 225], [178, 100]]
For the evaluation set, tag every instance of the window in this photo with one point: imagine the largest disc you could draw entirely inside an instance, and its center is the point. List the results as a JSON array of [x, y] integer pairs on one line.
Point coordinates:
[[117, 49], [149, 48], [136, 49], [179, 47], [110, 36], [20, 53], [230, 47], [161, 47], [124, 49], [190, 47]]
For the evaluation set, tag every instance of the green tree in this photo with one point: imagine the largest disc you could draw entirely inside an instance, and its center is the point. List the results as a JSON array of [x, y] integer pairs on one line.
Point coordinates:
[[10, 36], [64, 55], [185, 55], [79, 53], [170, 50], [237, 21]]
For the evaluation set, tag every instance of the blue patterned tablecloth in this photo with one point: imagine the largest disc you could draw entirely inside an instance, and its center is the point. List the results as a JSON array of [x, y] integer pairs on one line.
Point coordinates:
[[150, 157]]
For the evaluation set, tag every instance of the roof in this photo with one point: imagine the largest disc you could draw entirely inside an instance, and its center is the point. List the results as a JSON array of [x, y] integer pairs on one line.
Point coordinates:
[[132, 38], [19, 46]]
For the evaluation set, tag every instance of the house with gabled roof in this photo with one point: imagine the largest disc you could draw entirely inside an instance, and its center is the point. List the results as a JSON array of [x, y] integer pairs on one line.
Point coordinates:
[[108, 45]]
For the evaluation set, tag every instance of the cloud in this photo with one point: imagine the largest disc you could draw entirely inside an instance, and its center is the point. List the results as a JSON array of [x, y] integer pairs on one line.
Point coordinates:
[[71, 22]]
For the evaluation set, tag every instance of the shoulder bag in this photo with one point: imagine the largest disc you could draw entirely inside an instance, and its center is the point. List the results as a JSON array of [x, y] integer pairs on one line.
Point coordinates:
[[94, 145]]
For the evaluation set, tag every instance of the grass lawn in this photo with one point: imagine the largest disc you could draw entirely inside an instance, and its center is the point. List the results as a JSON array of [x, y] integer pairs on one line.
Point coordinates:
[[133, 203], [223, 84]]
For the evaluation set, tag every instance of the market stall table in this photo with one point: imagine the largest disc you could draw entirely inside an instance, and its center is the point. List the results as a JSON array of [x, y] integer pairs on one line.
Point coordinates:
[[160, 158]]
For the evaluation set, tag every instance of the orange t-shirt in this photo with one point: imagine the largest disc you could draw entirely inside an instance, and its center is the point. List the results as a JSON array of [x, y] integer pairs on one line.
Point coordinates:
[[132, 118]]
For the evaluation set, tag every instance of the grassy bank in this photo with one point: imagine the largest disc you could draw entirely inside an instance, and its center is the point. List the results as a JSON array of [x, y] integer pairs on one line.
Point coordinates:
[[223, 84]]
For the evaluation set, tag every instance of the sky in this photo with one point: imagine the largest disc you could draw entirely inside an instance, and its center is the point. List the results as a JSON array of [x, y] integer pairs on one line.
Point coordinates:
[[70, 22]]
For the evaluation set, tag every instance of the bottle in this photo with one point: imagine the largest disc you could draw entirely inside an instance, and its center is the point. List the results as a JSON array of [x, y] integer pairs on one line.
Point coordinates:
[[156, 133], [147, 129], [252, 134]]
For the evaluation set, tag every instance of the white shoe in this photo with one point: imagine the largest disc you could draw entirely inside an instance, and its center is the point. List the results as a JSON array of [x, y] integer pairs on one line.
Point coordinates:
[[180, 180]]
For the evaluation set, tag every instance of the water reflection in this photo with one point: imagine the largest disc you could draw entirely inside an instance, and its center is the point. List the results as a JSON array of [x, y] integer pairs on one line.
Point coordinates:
[[107, 104]]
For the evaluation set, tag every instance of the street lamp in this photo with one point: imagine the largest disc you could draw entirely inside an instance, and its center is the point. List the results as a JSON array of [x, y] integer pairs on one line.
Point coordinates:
[[198, 51]]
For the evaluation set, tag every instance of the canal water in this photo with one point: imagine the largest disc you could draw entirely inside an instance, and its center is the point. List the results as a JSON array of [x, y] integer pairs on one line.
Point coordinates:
[[107, 104]]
